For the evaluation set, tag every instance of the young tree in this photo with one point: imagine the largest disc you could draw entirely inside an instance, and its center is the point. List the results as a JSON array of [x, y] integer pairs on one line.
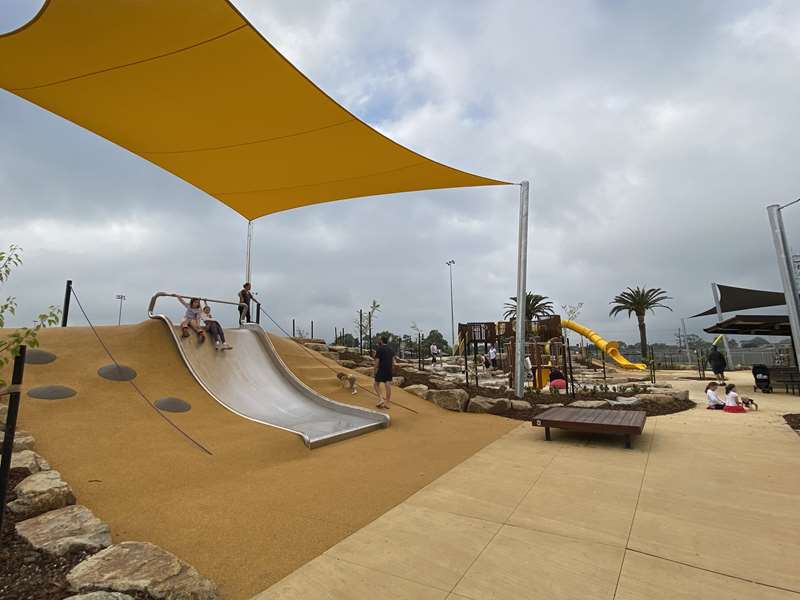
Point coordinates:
[[24, 336], [637, 301], [436, 337], [535, 306]]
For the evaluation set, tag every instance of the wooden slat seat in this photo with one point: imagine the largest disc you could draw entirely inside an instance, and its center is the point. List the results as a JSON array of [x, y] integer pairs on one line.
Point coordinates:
[[593, 420]]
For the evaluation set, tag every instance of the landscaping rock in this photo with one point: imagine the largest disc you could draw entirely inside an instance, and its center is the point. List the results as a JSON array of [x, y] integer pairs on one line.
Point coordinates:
[[338, 348], [348, 364], [3, 414], [679, 394], [39, 493], [330, 355], [553, 405], [520, 405], [29, 462], [316, 347], [365, 371], [101, 596], [417, 389], [398, 381], [440, 384], [589, 404], [141, 567], [657, 398], [66, 529], [452, 368], [22, 440], [620, 401], [454, 400], [482, 404]]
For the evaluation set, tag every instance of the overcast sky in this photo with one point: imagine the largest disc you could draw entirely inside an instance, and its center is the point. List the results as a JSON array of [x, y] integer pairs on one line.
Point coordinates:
[[654, 134]]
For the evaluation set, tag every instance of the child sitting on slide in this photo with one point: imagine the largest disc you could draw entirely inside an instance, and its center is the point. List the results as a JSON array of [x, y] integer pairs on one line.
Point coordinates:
[[714, 401], [191, 320], [214, 329]]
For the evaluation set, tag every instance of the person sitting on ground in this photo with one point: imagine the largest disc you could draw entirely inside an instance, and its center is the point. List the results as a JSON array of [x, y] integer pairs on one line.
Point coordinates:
[[487, 363], [714, 402], [348, 381], [245, 296], [383, 371], [716, 360], [191, 320], [214, 329], [557, 379], [732, 402]]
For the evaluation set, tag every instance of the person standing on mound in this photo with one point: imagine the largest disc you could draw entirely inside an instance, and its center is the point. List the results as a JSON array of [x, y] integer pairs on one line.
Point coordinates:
[[493, 355], [383, 371], [732, 402], [716, 360], [245, 296]]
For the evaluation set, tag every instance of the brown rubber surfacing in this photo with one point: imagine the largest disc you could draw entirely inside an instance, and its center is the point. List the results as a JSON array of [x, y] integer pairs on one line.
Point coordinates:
[[263, 504]]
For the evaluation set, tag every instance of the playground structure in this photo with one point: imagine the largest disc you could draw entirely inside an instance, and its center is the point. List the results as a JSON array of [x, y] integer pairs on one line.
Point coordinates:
[[545, 346], [255, 383]]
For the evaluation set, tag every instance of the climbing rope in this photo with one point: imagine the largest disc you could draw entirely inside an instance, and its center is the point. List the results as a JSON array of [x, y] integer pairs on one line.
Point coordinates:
[[133, 383]]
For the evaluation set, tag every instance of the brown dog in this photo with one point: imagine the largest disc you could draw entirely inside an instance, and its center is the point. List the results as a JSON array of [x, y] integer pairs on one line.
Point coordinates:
[[348, 382]]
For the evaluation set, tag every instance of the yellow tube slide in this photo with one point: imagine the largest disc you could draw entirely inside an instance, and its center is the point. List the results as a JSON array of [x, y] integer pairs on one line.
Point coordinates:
[[610, 348]]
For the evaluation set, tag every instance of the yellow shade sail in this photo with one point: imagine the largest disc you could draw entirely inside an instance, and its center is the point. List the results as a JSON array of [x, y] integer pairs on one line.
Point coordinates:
[[191, 86]]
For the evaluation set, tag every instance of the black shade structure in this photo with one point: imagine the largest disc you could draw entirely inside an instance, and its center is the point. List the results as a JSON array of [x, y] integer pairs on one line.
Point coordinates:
[[732, 299], [753, 325]]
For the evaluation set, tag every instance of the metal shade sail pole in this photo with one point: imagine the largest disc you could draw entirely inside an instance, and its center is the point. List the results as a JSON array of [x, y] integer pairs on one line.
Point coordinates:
[[450, 264], [715, 291], [785, 269], [522, 265], [249, 253]]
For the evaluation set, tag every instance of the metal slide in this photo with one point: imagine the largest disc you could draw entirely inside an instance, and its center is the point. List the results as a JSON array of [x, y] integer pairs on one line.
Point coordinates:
[[253, 381], [610, 348]]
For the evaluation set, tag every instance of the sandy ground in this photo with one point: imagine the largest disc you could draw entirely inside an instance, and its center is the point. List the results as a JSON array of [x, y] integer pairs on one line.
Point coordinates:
[[262, 505]]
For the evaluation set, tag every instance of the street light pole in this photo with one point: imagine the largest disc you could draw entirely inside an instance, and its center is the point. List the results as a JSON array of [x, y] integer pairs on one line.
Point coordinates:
[[120, 297], [785, 269], [450, 264], [522, 265]]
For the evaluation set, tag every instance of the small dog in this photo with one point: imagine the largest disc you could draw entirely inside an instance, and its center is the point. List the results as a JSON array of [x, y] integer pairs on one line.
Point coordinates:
[[749, 403], [348, 382]]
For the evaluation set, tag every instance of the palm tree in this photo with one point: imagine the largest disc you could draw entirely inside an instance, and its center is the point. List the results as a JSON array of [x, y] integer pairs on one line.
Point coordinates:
[[535, 306], [637, 301]]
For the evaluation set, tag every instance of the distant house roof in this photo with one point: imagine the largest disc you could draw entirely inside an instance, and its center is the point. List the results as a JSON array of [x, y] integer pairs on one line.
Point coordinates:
[[753, 325]]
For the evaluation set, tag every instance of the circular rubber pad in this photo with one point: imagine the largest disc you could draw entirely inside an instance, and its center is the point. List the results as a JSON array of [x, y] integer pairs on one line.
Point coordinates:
[[171, 404], [51, 392], [116, 372], [34, 356]]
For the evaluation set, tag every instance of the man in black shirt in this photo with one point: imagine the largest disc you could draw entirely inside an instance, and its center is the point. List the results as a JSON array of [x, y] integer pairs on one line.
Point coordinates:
[[383, 371], [245, 296]]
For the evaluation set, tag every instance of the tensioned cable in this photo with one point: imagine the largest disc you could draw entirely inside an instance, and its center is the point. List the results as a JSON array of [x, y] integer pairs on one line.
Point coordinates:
[[133, 383], [319, 360]]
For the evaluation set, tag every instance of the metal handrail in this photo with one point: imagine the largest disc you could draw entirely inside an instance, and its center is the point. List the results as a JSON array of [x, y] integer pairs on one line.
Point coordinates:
[[157, 295]]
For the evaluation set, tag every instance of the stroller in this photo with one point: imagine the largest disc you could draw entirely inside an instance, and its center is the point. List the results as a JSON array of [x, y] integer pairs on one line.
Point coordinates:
[[761, 378]]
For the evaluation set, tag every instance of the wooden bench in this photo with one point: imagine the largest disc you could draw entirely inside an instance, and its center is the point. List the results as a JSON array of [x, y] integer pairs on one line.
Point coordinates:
[[593, 420], [789, 377]]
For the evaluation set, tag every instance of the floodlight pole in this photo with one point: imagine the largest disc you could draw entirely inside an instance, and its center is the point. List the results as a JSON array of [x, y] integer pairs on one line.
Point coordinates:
[[718, 306], [785, 269], [450, 264], [522, 265], [248, 253]]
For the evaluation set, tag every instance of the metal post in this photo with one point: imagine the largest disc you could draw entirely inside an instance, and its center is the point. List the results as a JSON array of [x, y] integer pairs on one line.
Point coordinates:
[[335, 337], [312, 330], [248, 254], [450, 264], [120, 297], [785, 269], [466, 361], [10, 429], [686, 341], [522, 265], [67, 296], [715, 291], [293, 334], [360, 331], [603, 356]]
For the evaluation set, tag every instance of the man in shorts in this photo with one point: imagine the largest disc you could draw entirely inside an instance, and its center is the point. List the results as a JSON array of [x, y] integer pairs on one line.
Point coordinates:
[[383, 371]]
